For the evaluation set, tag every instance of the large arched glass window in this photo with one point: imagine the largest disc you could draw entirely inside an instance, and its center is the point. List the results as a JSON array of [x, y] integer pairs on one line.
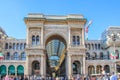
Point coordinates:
[[23, 56], [16, 56], [37, 40], [33, 40]]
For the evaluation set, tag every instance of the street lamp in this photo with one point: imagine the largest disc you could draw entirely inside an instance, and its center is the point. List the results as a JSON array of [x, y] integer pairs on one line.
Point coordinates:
[[114, 39]]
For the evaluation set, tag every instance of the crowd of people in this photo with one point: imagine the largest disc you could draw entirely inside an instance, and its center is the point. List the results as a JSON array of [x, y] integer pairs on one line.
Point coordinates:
[[11, 77], [111, 76]]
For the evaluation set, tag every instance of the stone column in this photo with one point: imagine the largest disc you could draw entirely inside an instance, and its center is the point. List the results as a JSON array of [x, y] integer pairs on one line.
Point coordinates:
[[83, 38], [68, 67], [27, 32], [42, 66], [84, 64], [69, 36], [41, 36], [27, 70]]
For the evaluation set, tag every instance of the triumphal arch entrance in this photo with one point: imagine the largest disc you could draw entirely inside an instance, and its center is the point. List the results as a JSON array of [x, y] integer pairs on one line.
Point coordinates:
[[55, 45]]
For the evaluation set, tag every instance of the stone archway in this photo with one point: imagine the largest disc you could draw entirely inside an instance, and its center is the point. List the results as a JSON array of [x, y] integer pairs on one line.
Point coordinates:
[[62, 28], [35, 67], [55, 48], [76, 66]]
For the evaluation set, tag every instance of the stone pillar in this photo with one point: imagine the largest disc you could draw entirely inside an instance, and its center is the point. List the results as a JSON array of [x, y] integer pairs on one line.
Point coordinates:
[[84, 64], [83, 38], [41, 36], [27, 70], [27, 32], [43, 66], [68, 66], [69, 36]]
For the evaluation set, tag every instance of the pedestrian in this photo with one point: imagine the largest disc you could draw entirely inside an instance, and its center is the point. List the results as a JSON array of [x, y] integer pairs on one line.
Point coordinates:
[[113, 76]]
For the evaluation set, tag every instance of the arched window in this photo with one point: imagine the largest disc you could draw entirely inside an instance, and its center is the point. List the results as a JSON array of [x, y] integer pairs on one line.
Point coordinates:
[[10, 45], [88, 56], [99, 69], [21, 46], [24, 45], [107, 68], [14, 47], [23, 56], [117, 54], [18, 46], [95, 46], [118, 68], [74, 41], [6, 46], [20, 70], [99, 46], [108, 54], [91, 69], [8, 56], [89, 47], [37, 40], [78, 40], [33, 40], [16, 56], [76, 67], [85, 45], [11, 70], [101, 55], [94, 55], [3, 70]]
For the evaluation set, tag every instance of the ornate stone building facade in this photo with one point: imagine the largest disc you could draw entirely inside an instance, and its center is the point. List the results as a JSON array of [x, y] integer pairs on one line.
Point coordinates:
[[79, 56]]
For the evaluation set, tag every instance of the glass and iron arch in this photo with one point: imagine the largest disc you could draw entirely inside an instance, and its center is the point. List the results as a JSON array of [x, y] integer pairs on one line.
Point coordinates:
[[76, 67]]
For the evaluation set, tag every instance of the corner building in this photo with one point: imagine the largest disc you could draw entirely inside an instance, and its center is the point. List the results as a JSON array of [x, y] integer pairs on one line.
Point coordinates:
[[56, 46]]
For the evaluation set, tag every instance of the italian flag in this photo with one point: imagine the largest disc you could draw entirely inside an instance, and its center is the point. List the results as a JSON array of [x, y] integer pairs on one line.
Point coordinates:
[[113, 55], [1, 56]]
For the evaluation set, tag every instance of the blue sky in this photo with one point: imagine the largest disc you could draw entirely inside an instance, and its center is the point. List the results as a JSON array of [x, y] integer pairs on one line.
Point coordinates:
[[103, 13]]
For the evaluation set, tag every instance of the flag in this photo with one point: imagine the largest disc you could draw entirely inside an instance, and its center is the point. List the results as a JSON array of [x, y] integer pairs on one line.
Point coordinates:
[[1, 56], [113, 55], [87, 27]]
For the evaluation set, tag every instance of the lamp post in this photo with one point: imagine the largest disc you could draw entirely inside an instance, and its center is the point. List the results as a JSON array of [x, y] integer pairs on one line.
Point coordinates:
[[114, 39]]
